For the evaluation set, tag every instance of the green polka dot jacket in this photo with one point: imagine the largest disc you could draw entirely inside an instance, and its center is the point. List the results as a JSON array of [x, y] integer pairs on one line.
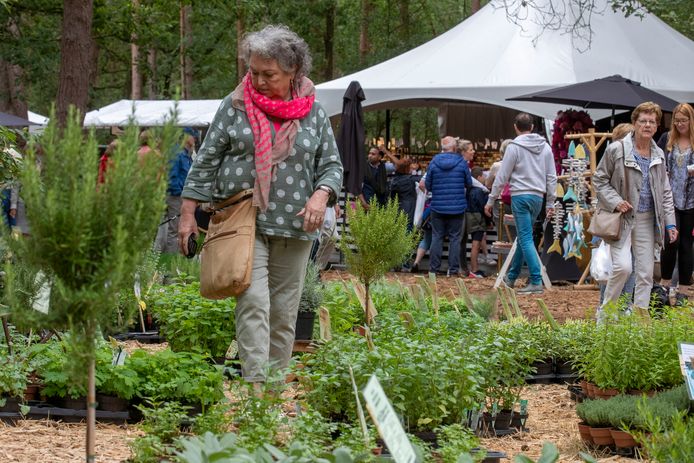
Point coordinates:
[[225, 165]]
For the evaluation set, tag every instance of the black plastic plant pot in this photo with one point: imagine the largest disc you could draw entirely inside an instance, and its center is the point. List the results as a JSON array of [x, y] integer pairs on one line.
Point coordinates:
[[503, 420], [563, 367], [304, 325], [518, 420], [111, 403], [543, 367]]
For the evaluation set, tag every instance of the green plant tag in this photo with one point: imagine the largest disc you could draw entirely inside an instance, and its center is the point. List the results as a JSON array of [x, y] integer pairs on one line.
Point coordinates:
[[524, 406]]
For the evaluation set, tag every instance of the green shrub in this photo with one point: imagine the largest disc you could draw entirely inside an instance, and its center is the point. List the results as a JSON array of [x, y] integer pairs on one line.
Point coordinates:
[[431, 374], [192, 323], [377, 241], [170, 376]]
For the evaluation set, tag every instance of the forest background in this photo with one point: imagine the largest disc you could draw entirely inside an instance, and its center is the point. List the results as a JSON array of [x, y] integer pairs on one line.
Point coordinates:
[[162, 49]]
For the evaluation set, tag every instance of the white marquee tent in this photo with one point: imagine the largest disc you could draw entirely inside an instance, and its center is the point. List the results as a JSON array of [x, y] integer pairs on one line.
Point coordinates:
[[147, 113], [488, 58]]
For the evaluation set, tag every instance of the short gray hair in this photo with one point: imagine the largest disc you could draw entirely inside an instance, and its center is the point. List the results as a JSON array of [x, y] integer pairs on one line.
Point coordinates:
[[449, 144], [280, 43]]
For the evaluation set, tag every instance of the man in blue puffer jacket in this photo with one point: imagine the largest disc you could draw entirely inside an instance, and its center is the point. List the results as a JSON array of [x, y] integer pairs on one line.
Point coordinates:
[[448, 178]]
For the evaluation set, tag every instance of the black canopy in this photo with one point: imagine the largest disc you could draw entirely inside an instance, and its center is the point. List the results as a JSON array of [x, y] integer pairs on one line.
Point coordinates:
[[351, 139], [613, 92]]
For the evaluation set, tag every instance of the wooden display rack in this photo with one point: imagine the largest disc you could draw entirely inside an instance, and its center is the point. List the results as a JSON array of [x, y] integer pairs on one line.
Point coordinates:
[[593, 141]]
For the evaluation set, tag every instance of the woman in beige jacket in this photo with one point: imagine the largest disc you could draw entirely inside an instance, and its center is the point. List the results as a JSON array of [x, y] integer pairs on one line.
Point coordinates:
[[647, 206]]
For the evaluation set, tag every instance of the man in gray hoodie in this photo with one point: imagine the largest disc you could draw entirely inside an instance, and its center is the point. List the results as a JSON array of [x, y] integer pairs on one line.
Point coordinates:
[[528, 166]]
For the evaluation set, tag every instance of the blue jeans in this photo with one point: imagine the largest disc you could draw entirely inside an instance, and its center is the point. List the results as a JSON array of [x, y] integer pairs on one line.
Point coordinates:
[[6, 219], [443, 225], [525, 210]]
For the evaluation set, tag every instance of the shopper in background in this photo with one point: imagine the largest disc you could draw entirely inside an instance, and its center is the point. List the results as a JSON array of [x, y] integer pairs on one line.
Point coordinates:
[[476, 225], [679, 154], [448, 179], [528, 166], [180, 165], [647, 207]]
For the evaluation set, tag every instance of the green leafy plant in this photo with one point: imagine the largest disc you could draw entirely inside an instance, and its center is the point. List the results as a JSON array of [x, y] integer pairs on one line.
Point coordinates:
[[209, 448], [161, 421], [14, 370], [455, 440], [192, 323], [176, 376], [377, 241], [626, 353], [431, 374], [666, 443]]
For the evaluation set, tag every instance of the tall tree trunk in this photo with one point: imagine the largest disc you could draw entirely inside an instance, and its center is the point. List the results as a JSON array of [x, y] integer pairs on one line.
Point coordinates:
[[76, 57], [329, 39], [135, 74], [240, 65], [186, 12], [152, 81], [364, 47], [91, 411], [474, 6], [12, 97]]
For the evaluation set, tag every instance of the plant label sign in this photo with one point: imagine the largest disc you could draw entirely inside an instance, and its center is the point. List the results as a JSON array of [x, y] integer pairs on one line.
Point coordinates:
[[686, 351], [387, 422]]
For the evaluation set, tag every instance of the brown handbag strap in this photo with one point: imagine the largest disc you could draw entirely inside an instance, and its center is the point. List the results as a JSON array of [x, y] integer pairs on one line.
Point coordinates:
[[237, 198]]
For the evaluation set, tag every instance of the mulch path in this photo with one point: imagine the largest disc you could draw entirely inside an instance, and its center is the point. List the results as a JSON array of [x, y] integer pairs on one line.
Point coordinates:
[[552, 417]]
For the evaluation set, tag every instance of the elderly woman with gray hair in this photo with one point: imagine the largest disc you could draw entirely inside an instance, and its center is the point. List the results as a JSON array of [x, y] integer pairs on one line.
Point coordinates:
[[632, 179], [271, 135]]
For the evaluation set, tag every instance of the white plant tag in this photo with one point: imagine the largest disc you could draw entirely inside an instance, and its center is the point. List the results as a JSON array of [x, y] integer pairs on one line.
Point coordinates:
[[41, 301], [119, 357], [387, 422]]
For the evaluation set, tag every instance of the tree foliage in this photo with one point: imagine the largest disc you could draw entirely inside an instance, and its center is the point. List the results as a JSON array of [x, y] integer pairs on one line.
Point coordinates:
[[86, 239]]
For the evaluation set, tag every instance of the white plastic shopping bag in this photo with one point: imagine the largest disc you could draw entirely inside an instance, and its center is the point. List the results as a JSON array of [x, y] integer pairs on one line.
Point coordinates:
[[601, 263]]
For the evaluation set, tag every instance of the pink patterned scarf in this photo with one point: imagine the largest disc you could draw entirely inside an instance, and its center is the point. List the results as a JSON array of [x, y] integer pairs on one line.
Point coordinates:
[[267, 155]]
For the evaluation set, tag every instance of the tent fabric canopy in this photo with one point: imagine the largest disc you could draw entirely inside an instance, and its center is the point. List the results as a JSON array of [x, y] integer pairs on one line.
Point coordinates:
[[149, 113], [487, 58]]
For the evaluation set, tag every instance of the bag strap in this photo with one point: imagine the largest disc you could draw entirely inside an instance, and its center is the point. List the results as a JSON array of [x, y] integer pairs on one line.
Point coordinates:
[[234, 200], [624, 166]]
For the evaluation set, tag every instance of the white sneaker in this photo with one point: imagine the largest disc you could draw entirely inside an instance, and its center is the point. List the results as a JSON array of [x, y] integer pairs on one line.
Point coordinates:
[[490, 260]]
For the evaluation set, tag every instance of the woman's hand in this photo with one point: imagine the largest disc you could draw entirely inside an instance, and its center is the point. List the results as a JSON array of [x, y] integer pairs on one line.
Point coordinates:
[[187, 224], [314, 211], [673, 234], [624, 207]]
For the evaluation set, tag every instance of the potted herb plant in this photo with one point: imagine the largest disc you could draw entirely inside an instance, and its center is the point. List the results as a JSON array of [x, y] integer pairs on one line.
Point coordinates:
[[596, 414], [311, 299], [13, 383]]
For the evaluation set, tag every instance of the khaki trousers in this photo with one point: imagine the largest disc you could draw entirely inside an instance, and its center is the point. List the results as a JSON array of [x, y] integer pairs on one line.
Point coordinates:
[[641, 241], [266, 312]]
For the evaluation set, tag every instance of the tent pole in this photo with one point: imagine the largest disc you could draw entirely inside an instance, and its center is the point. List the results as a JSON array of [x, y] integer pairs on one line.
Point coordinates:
[[387, 128], [612, 119]]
